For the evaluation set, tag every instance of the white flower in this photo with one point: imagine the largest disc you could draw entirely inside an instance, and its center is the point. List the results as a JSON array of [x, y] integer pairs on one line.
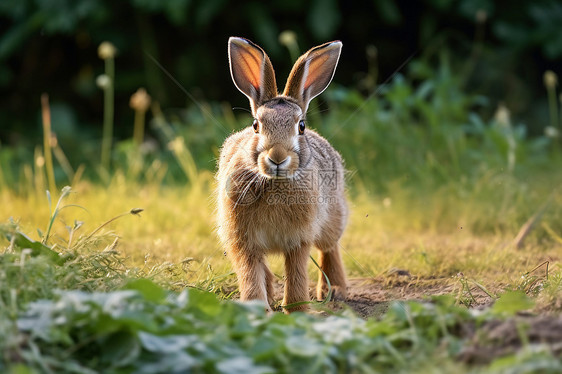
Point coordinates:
[[551, 132], [106, 50], [550, 79], [103, 81], [287, 37]]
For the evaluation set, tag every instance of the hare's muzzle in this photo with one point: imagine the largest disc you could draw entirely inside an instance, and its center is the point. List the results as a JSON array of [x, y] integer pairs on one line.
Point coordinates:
[[278, 162], [277, 155]]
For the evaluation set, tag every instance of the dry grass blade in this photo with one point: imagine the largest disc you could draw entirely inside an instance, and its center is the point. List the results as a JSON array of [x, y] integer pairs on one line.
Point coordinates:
[[532, 284], [46, 115], [134, 211], [531, 222]]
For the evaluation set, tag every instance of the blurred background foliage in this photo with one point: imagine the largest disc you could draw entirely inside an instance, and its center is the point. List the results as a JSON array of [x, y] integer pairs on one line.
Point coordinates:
[[457, 62]]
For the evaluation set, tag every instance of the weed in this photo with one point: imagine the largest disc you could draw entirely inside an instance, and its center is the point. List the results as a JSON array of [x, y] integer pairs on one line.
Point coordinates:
[[106, 82]]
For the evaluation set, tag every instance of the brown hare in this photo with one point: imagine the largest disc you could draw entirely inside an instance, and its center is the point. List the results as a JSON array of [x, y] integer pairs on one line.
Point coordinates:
[[281, 185]]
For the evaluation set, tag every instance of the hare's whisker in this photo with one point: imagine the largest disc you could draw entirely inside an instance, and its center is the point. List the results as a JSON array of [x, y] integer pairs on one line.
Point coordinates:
[[240, 108], [247, 188], [201, 107]]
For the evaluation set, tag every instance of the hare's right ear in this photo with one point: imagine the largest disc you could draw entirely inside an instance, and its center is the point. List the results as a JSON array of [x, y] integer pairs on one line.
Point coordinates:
[[251, 71], [313, 72]]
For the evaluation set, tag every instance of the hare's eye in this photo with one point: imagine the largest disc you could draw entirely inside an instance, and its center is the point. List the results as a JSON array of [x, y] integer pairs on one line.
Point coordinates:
[[256, 126], [301, 127]]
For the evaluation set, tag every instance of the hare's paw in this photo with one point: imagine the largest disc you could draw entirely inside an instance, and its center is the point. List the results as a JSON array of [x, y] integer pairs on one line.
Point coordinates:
[[296, 307], [339, 293]]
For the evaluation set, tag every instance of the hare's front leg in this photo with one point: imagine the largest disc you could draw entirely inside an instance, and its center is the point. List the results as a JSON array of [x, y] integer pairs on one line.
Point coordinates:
[[254, 278], [330, 262], [296, 282]]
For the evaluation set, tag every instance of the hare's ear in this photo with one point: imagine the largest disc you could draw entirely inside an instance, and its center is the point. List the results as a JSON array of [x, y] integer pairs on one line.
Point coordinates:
[[251, 71], [313, 72]]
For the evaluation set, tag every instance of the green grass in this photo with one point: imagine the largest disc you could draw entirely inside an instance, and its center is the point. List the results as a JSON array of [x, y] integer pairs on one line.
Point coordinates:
[[428, 233]]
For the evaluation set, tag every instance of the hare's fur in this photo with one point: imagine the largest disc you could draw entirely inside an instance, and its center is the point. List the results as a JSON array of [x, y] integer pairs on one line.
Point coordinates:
[[280, 191]]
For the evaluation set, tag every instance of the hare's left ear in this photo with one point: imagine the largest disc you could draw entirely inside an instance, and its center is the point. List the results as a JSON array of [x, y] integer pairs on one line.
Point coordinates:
[[313, 72], [251, 71]]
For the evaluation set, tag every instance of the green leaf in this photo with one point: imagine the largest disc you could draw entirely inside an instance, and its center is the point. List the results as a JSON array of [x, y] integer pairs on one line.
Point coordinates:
[[303, 346], [264, 347], [166, 344], [22, 241], [148, 289], [512, 302], [21, 369], [242, 325], [205, 301], [536, 360], [242, 365], [120, 349]]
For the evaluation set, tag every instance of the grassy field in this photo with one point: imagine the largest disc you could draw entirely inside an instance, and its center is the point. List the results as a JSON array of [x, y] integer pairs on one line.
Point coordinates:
[[438, 197]]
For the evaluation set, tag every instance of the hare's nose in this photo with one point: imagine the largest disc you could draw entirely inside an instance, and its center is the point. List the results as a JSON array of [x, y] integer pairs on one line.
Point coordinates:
[[276, 162], [277, 155]]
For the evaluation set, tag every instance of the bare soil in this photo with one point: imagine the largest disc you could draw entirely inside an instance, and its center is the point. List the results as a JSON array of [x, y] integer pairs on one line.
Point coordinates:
[[499, 338], [370, 297]]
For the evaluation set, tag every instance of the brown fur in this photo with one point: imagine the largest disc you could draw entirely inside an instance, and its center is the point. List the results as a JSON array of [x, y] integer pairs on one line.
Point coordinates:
[[273, 195]]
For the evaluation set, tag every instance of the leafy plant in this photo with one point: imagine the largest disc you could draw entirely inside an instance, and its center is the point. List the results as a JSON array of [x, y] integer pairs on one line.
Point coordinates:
[[144, 328]]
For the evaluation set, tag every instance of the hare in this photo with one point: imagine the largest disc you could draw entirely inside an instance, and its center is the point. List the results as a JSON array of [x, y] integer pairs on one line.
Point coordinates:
[[281, 185]]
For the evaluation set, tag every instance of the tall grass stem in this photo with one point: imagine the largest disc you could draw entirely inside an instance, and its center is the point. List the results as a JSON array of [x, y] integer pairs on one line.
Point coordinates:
[[62, 160], [47, 152], [289, 39], [550, 80], [138, 132], [177, 145], [134, 211], [108, 110], [3, 182], [553, 107], [140, 103], [54, 213]]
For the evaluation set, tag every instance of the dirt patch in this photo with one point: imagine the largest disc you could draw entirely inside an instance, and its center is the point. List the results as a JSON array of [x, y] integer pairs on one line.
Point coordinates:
[[370, 297], [365, 295], [499, 338], [492, 339]]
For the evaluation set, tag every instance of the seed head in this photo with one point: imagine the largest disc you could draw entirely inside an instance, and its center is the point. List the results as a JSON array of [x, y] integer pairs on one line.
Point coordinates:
[[106, 50], [287, 37], [550, 79], [387, 202], [140, 100], [372, 52], [40, 161], [53, 140], [481, 16], [502, 116], [103, 81], [551, 132]]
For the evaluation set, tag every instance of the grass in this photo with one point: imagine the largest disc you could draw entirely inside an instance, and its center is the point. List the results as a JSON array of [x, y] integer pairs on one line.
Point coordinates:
[[429, 234]]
